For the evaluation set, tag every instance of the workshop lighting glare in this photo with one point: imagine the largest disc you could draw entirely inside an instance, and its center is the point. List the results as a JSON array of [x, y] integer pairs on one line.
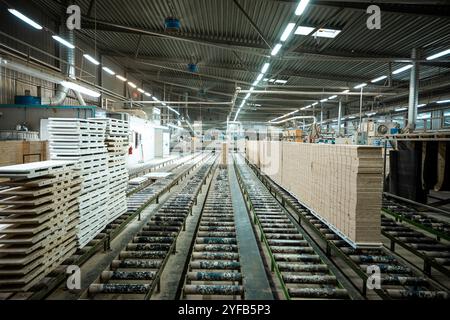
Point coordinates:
[[421, 105], [81, 89], [307, 107], [332, 97], [281, 81], [438, 55], [91, 59], [346, 91], [154, 98], [443, 101], [131, 84], [326, 33], [173, 110], [247, 96], [371, 114], [108, 70], [25, 19], [276, 49], [400, 70], [260, 76], [401, 109], [147, 94], [301, 7], [121, 78], [287, 32], [255, 83], [140, 90], [314, 104], [324, 100], [63, 42], [359, 86], [265, 67]]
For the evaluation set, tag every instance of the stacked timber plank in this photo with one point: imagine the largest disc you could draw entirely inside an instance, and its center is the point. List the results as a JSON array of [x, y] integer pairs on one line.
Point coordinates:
[[16, 152], [341, 184], [224, 157], [117, 141], [38, 221], [84, 141]]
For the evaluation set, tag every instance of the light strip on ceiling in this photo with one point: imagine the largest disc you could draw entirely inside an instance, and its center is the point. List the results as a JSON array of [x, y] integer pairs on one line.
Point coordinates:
[[121, 78], [287, 32], [324, 100], [301, 7], [359, 86], [285, 115], [108, 70], [147, 94], [173, 110], [91, 59], [81, 89], [260, 76], [64, 42], [401, 109], [307, 107], [131, 84], [400, 70], [25, 19], [304, 31], [438, 55], [276, 49], [140, 90], [443, 101], [378, 79], [332, 97], [265, 68]]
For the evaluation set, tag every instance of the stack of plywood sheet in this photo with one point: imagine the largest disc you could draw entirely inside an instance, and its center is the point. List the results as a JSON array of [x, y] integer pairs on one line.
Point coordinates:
[[340, 183], [117, 135], [38, 220], [84, 141]]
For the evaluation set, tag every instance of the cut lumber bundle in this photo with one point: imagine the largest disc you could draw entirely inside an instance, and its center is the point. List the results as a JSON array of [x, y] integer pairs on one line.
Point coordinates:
[[117, 142], [342, 184], [17, 152], [83, 141], [38, 221]]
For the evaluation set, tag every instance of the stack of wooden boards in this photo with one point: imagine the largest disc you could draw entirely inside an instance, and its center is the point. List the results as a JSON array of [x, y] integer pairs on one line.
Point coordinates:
[[342, 184], [83, 141], [117, 141], [16, 152], [224, 157], [38, 220]]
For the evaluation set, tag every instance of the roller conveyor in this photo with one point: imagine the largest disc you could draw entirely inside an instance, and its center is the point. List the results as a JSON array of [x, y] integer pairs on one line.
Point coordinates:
[[398, 281], [136, 271], [214, 268], [301, 271]]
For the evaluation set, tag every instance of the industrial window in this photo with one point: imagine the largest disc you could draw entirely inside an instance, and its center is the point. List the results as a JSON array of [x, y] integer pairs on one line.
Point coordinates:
[[446, 121], [424, 120]]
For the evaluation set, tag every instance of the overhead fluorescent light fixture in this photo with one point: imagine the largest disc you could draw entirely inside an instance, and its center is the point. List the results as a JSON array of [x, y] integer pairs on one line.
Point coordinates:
[[400, 70], [121, 78], [255, 83], [81, 89], [287, 32], [265, 67], [173, 110], [346, 91], [154, 98], [252, 88], [369, 114], [421, 105], [438, 55], [140, 90], [91, 59], [260, 76], [247, 96], [359, 86], [108, 70], [276, 49], [326, 33], [24, 18], [64, 42], [324, 100], [266, 79], [304, 31], [443, 101], [401, 109], [301, 7], [131, 84], [285, 115], [281, 81], [307, 107], [147, 94], [272, 80], [352, 117], [332, 97], [378, 79], [315, 104]]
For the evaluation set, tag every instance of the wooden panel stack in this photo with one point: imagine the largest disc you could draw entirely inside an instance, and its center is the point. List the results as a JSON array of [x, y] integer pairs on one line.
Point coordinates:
[[252, 151], [17, 152], [84, 141], [341, 183], [117, 136], [38, 221], [270, 157], [224, 158]]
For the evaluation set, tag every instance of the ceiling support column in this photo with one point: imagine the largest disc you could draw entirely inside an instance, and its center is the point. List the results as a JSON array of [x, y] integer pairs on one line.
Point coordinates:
[[413, 91]]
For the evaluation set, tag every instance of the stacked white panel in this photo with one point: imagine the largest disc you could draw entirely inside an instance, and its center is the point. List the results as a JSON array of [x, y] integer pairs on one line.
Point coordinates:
[[84, 141]]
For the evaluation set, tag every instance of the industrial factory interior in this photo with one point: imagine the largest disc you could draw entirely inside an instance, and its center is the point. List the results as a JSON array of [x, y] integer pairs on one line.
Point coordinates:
[[224, 150]]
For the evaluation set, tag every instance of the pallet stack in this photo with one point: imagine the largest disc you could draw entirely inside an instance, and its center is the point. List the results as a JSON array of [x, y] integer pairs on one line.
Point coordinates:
[[84, 141], [38, 221], [117, 141]]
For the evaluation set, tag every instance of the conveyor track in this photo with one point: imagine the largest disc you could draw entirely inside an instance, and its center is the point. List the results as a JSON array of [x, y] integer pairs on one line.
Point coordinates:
[[300, 269], [398, 281], [214, 269], [136, 271]]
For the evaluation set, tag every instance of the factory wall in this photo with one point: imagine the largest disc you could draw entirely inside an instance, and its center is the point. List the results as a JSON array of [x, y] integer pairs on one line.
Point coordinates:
[[142, 141]]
